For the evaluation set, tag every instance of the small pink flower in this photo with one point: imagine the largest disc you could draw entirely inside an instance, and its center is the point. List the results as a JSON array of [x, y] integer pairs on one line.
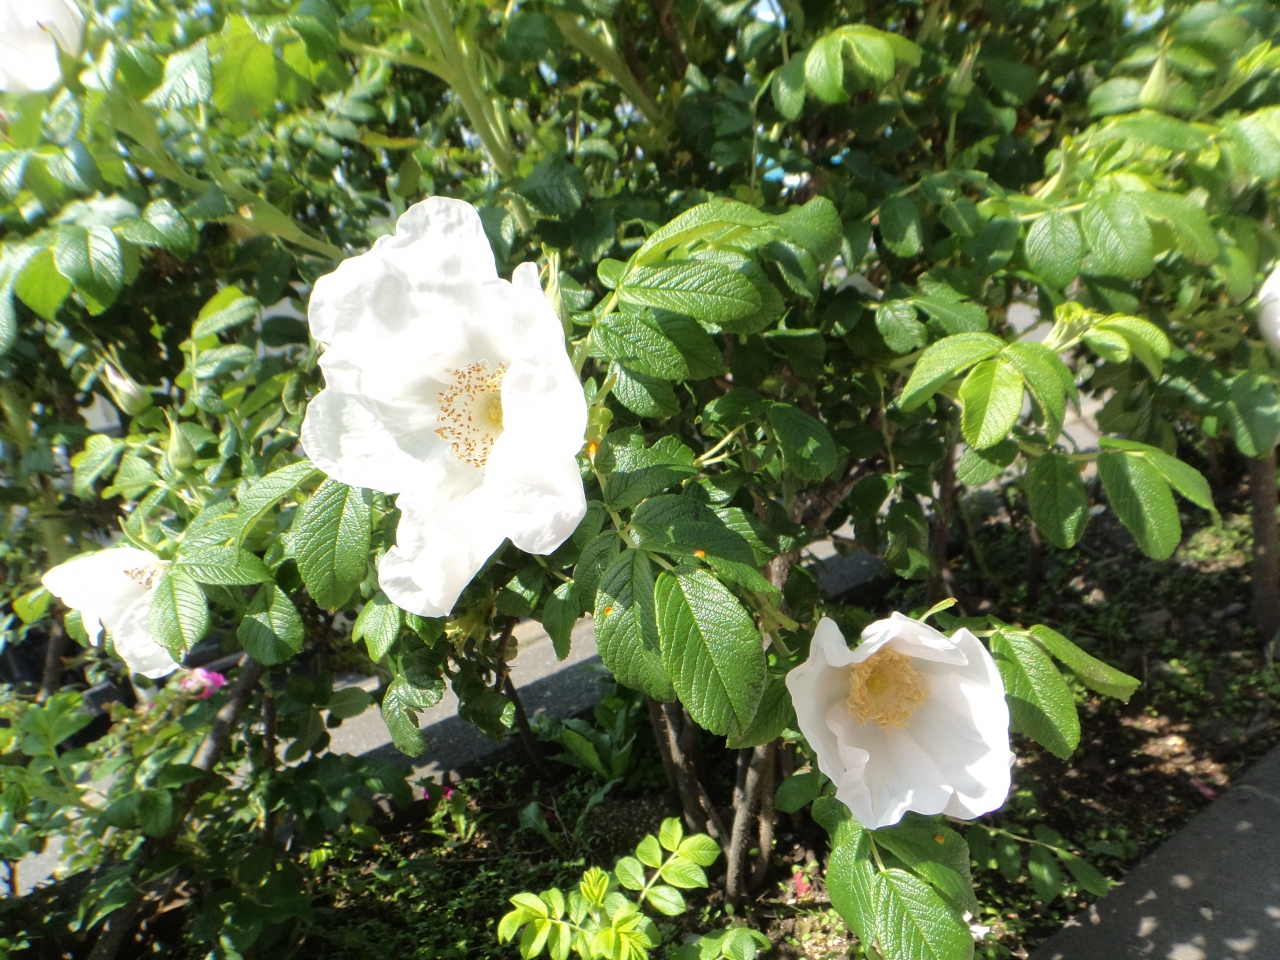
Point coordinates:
[[202, 683], [801, 883]]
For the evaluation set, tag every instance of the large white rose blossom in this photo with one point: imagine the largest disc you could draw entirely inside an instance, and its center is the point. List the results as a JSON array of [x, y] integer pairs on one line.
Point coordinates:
[[908, 720], [113, 589], [452, 388], [31, 31], [1269, 311]]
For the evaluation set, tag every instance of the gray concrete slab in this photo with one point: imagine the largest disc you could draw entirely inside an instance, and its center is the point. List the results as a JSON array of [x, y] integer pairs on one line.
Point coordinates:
[[1212, 892]]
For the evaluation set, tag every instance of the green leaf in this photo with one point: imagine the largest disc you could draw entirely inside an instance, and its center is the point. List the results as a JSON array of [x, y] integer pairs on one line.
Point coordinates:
[[1189, 222], [700, 849], [703, 222], [711, 650], [1040, 702], [378, 625], [702, 289], [400, 706], [1118, 236], [870, 52], [1147, 341], [666, 900], [188, 79], [1047, 377], [798, 791], [630, 873], [1055, 249], [1253, 413], [944, 360], [227, 308], [331, 542], [244, 76], [225, 566], [670, 833], [914, 922], [851, 878], [824, 69], [773, 717], [956, 316], [1046, 876], [1057, 498], [908, 550], [1085, 874], [683, 873], [649, 851], [1183, 477], [1140, 496], [977, 467], [98, 456], [992, 399], [1093, 673], [91, 259], [179, 616], [900, 226], [155, 811], [643, 395], [348, 702], [555, 187], [897, 323], [633, 471], [807, 448], [220, 360], [271, 631], [936, 853], [788, 87], [40, 285], [559, 614], [627, 628], [530, 36], [266, 492], [669, 347], [1115, 96], [815, 227]]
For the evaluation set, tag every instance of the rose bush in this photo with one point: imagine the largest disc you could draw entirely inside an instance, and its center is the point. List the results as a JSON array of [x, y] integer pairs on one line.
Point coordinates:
[[769, 268]]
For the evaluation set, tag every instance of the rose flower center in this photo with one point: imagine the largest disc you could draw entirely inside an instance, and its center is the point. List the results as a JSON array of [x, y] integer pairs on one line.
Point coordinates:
[[885, 689], [471, 412]]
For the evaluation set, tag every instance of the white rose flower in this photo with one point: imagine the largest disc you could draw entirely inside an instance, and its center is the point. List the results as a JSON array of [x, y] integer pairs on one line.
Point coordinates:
[[452, 388], [1269, 311], [31, 31], [113, 589], [907, 720]]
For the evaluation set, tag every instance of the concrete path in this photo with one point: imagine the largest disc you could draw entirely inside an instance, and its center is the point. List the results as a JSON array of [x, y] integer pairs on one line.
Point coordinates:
[[1212, 892]]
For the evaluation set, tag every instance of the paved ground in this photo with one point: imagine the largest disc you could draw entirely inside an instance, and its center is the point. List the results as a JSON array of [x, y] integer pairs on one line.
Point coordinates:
[[1212, 892]]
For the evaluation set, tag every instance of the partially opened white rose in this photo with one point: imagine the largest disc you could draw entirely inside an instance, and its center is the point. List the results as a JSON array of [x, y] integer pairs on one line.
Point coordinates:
[[452, 388], [113, 589], [31, 31], [907, 720], [1269, 311]]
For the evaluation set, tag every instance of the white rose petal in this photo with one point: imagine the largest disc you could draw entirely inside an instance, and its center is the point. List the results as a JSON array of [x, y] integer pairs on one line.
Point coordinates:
[[112, 589], [30, 33], [1269, 311], [452, 388], [908, 720]]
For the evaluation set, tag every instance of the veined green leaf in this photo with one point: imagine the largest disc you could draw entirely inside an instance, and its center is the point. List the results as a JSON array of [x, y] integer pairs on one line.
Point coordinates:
[[1140, 496], [992, 399], [1092, 672], [331, 542], [1040, 702], [944, 360]]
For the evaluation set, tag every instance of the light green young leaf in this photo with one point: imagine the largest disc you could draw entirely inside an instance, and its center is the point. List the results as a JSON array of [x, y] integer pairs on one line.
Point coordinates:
[[944, 360], [226, 566], [788, 87], [992, 399], [378, 625]]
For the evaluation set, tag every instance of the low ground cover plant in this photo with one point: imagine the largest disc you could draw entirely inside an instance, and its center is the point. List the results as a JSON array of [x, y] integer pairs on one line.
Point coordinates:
[[342, 336]]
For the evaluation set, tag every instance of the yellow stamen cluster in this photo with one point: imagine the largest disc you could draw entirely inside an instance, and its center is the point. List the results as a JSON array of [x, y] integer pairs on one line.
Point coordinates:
[[147, 576], [885, 689], [471, 412]]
